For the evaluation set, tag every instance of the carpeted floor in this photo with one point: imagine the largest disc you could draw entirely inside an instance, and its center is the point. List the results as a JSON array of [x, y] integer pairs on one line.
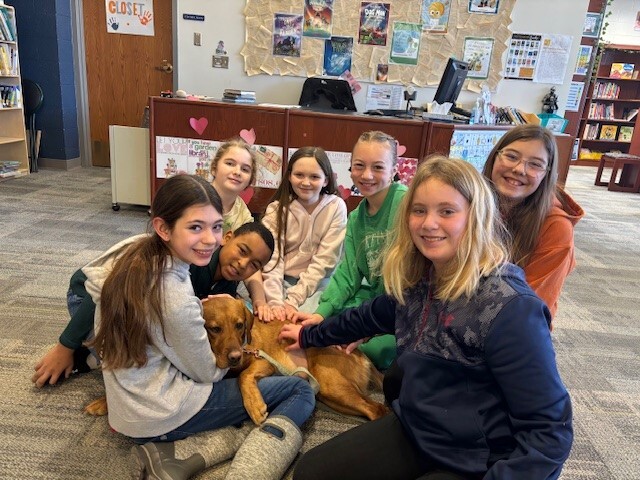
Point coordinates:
[[53, 222]]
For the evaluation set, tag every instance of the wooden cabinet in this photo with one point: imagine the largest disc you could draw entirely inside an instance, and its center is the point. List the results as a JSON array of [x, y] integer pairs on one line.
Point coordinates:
[[609, 119], [13, 142]]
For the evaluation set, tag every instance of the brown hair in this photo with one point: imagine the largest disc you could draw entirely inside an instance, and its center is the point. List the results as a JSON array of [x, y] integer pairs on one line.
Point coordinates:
[[381, 137], [226, 146], [285, 194], [132, 293], [525, 219]]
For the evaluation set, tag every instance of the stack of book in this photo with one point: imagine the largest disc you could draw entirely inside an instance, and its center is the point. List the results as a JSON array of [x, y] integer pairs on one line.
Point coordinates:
[[239, 96], [9, 169]]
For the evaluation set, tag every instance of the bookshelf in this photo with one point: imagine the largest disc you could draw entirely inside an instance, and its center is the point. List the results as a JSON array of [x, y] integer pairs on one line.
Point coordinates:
[[608, 122], [14, 160]]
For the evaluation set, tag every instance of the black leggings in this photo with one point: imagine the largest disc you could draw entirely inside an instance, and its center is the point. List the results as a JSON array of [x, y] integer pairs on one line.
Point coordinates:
[[374, 450]]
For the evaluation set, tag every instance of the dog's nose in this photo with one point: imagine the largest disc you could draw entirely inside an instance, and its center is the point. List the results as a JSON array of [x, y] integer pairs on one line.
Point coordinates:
[[234, 358]]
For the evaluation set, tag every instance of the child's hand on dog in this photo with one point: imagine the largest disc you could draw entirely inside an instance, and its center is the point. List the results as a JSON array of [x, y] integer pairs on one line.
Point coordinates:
[[290, 331], [306, 318]]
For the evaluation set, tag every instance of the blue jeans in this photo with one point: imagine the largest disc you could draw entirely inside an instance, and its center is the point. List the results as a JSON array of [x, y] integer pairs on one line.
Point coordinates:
[[291, 397]]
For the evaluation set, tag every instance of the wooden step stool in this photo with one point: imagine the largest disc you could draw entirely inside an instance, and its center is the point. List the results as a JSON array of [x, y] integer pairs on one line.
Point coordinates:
[[629, 167]]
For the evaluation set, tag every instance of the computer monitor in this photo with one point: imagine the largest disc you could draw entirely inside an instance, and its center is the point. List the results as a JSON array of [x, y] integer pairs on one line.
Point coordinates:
[[451, 82], [327, 94]]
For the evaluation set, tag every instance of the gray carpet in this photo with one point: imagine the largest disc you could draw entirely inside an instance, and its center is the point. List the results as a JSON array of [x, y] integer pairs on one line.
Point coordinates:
[[53, 222]]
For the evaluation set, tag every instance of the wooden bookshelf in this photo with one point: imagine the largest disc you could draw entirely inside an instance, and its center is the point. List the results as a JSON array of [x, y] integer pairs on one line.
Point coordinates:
[[13, 138]]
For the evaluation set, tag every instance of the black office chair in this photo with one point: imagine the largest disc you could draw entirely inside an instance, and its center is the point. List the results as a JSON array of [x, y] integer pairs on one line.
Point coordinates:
[[32, 99]]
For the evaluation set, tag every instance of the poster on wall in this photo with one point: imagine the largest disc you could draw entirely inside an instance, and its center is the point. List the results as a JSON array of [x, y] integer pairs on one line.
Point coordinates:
[[583, 60], [484, 6], [574, 96], [337, 55], [522, 56], [269, 163], [554, 58], [374, 23], [591, 27], [318, 15], [130, 18], [405, 43], [477, 53], [287, 34], [435, 16], [474, 146], [184, 155]]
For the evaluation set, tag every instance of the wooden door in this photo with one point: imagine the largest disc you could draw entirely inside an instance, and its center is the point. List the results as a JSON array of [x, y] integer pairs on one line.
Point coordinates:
[[122, 71]]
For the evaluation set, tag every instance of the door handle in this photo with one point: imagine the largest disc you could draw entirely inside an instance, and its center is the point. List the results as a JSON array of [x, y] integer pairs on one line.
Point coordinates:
[[165, 67]]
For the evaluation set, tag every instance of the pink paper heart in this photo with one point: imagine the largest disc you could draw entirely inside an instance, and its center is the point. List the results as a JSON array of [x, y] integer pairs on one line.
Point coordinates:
[[401, 149], [344, 192], [198, 124], [248, 136], [247, 194]]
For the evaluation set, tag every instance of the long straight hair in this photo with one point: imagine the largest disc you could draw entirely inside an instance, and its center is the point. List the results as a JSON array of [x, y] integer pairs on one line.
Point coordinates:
[[285, 193], [524, 220], [132, 297], [480, 252]]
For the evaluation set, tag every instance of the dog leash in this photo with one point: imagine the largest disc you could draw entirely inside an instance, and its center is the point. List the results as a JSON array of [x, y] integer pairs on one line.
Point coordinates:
[[282, 370]]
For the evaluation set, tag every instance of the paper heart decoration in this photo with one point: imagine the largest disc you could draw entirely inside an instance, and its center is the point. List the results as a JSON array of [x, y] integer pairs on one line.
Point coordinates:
[[401, 149], [198, 124], [248, 136], [247, 194], [344, 192]]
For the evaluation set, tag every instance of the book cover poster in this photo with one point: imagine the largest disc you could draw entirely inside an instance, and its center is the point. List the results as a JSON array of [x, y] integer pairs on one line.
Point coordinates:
[[405, 43], [477, 53], [584, 58], [200, 156], [287, 34], [435, 16], [374, 23], [317, 18], [337, 55], [622, 70], [269, 163], [484, 6], [523, 56]]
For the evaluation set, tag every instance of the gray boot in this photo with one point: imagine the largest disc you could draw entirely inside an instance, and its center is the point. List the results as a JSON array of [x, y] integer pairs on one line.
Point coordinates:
[[182, 459], [267, 452]]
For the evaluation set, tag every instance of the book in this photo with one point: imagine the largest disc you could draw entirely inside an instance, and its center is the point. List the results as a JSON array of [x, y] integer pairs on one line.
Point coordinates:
[[239, 100], [625, 134], [608, 132], [632, 114], [621, 70], [237, 93]]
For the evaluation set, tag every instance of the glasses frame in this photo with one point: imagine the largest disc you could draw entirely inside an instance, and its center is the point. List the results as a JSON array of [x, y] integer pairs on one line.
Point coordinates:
[[527, 164]]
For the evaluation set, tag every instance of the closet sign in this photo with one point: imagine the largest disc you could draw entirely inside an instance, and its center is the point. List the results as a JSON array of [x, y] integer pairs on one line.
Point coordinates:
[[130, 18]]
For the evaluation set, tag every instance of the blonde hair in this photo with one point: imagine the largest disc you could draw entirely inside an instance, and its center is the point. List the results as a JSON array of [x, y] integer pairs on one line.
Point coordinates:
[[480, 252], [226, 146]]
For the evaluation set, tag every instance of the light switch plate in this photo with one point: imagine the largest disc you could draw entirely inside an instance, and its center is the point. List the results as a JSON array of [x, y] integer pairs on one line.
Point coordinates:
[[197, 39]]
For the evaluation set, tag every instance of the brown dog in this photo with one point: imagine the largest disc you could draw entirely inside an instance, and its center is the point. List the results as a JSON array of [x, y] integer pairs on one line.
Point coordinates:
[[343, 378]]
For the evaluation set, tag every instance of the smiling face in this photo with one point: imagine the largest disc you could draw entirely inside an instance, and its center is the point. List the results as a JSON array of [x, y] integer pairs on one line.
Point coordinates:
[[195, 236], [438, 218], [372, 168], [517, 182], [233, 171], [242, 256], [307, 181]]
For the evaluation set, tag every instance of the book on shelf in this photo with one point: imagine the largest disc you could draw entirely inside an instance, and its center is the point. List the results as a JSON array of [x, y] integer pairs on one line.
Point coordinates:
[[608, 132], [6, 25], [631, 114], [622, 70], [232, 93], [625, 133], [239, 100]]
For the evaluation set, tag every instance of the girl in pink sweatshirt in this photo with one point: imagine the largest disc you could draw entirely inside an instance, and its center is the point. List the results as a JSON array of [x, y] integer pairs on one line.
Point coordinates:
[[308, 221]]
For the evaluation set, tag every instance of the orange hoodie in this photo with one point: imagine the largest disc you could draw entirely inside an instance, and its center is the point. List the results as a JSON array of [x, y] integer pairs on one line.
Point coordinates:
[[553, 257]]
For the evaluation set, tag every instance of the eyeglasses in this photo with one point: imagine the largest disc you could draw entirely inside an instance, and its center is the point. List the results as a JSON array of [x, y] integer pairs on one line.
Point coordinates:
[[514, 159]]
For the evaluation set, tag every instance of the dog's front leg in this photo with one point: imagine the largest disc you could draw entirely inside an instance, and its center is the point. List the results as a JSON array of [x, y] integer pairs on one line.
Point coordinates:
[[251, 396]]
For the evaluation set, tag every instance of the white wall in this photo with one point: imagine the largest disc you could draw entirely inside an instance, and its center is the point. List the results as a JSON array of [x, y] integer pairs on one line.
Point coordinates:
[[622, 22], [224, 20]]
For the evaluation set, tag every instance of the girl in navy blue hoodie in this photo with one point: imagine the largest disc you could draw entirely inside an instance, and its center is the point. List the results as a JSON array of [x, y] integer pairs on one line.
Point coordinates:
[[481, 396]]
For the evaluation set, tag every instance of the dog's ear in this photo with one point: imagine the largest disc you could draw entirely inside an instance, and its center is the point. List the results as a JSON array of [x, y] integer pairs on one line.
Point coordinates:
[[248, 323]]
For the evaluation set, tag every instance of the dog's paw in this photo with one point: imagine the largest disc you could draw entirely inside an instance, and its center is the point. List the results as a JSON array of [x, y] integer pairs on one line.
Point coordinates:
[[258, 413], [97, 408]]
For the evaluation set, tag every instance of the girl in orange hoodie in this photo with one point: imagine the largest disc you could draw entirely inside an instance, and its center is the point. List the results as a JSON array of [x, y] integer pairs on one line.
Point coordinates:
[[540, 216]]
